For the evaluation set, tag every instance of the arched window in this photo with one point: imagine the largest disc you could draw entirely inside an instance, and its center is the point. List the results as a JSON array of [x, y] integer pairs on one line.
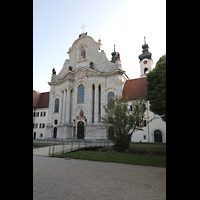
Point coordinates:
[[145, 70], [56, 106], [83, 53], [80, 98], [110, 95]]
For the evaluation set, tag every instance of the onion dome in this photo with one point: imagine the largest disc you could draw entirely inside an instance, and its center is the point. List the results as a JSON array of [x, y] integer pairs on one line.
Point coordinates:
[[146, 53], [114, 55]]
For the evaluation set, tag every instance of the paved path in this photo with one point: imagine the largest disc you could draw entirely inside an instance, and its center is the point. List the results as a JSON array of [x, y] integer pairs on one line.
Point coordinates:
[[44, 151], [70, 179]]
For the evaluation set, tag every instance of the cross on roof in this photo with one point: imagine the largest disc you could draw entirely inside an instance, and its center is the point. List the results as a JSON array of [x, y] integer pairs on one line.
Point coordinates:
[[83, 27]]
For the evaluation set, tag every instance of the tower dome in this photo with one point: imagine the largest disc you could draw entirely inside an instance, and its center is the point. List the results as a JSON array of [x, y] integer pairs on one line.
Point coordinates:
[[146, 53]]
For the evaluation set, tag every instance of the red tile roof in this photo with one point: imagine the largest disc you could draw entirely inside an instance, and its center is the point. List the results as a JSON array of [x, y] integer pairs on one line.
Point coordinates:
[[40, 100], [135, 89]]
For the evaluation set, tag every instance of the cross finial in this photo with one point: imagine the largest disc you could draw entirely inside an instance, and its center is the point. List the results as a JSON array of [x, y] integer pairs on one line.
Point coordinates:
[[144, 40], [83, 27]]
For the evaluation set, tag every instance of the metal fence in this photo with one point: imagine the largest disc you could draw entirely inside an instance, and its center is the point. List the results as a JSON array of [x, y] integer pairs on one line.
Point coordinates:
[[58, 146]]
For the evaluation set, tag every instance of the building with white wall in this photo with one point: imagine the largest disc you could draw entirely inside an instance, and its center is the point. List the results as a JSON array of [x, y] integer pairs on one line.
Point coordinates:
[[80, 90], [154, 128], [40, 114]]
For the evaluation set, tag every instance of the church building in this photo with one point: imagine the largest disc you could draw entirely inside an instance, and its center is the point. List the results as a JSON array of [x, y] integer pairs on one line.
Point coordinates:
[[86, 83], [80, 90]]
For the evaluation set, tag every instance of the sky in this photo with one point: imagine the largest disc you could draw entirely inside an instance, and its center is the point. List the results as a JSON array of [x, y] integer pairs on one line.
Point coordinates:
[[57, 24]]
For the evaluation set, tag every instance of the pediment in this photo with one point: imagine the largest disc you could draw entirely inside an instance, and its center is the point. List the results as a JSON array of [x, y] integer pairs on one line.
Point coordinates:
[[79, 73], [82, 72], [92, 72], [68, 75]]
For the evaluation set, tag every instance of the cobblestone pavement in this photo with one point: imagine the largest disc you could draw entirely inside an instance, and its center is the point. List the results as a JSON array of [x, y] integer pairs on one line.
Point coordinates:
[[70, 179]]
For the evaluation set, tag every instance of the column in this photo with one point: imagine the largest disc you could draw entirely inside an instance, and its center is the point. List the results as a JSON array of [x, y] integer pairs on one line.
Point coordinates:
[[50, 116], [60, 107], [103, 99], [89, 103], [51, 106], [68, 105], [64, 106], [96, 104]]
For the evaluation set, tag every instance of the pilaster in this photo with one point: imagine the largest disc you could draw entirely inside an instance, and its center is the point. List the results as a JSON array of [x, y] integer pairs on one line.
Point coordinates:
[[96, 104], [61, 107], [103, 99], [68, 106], [89, 105], [64, 107]]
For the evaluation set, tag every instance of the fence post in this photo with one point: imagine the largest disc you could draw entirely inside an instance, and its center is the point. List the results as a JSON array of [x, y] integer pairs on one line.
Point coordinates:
[[63, 145], [49, 149], [53, 150]]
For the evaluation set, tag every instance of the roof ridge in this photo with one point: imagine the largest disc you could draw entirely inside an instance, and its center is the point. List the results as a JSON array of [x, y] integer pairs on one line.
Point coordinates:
[[136, 78]]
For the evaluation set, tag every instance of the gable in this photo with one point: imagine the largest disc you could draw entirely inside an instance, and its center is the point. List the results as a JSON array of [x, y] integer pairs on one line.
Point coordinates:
[[84, 51]]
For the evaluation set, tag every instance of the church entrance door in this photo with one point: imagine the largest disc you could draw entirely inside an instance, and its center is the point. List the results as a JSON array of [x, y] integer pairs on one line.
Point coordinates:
[[80, 130], [55, 132], [157, 136]]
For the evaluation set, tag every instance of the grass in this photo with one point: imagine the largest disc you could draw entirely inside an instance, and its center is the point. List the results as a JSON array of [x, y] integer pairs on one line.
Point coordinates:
[[135, 159], [149, 146]]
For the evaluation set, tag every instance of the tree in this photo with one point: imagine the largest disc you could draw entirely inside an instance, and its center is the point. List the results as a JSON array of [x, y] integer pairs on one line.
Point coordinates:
[[121, 122], [156, 88]]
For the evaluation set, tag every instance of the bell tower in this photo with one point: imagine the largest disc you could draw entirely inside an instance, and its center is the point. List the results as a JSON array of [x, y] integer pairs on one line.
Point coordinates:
[[146, 61]]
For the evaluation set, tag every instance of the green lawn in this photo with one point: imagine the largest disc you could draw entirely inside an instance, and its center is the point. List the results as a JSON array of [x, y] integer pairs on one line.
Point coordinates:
[[149, 146], [148, 160]]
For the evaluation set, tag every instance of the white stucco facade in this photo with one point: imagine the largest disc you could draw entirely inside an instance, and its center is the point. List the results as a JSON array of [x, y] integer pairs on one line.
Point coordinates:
[[40, 116], [154, 124], [87, 66]]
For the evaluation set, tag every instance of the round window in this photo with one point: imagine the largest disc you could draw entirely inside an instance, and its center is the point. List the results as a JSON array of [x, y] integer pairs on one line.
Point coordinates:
[[55, 121]]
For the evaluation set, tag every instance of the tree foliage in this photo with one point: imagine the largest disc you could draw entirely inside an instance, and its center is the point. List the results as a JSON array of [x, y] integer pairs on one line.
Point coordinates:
[[156, 88], [121, 122]]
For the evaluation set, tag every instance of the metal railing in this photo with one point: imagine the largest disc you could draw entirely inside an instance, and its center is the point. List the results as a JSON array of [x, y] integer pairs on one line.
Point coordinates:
[[59, 146]]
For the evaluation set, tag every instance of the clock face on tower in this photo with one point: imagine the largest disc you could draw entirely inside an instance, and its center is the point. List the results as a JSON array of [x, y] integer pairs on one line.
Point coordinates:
[[145, 62]]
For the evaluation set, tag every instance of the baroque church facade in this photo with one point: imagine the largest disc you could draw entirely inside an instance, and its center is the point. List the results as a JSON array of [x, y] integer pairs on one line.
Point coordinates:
[[80, 90]]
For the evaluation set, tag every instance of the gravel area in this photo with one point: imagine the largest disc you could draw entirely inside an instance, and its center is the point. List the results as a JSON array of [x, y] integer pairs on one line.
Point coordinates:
[[56, 178]]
